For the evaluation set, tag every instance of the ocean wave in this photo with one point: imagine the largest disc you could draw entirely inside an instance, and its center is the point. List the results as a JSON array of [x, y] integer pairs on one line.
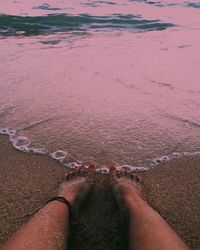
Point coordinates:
[[166, 4], [194, 5], [98, 3], [46, 6], [23, 144], [156, 3], [52, 23]]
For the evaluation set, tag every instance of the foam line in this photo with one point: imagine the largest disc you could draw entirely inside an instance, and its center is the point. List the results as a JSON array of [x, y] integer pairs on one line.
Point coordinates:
[[22, 143]]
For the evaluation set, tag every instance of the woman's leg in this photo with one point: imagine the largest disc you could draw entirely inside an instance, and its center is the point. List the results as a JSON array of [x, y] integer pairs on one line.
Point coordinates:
[[148, 230], [48, 229]]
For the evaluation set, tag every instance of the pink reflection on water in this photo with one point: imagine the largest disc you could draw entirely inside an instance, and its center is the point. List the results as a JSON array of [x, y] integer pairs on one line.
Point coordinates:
[[118, 96]]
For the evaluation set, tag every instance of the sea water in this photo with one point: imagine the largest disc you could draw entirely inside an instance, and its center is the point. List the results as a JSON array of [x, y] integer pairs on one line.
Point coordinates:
[[111, 82]]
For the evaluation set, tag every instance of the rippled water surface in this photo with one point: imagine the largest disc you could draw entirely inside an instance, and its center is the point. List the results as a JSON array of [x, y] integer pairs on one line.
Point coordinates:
[[105, 81]]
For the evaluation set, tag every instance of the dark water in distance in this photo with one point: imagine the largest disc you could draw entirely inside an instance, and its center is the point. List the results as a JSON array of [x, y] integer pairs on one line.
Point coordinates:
[[53, 23], [105, 81]]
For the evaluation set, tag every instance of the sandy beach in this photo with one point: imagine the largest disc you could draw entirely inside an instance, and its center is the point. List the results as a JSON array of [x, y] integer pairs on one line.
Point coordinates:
[[28, 181], [103, 82]]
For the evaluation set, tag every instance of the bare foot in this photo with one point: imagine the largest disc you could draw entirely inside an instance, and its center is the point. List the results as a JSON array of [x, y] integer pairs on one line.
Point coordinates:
[[77, 184], [127, 187]]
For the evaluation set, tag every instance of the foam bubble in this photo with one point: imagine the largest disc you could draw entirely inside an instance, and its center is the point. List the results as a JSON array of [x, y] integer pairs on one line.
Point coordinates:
[[165, 158], [4, 131], [103, 170], [40, 151], [176, 155], [13, 132], [131, 169], [157, 161], [186, 154], [126, 168], [139, 169], [21, 143], [161, 160], [197, 153], [7, 131], [59, 155], [73, 165], [23, 148]]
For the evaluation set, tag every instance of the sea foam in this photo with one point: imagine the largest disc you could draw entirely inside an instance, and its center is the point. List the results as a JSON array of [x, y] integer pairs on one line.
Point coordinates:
[[23, 144]]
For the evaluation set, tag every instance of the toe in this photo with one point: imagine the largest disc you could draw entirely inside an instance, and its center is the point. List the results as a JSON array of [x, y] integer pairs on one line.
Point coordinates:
[[136, 178], [68, 176], [92, 167], [82, 171], [118, 174], [112, 169]]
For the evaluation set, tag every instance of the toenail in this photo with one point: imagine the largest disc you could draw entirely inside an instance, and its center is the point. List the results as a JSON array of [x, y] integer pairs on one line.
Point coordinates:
[[112, 168], [92, 166]]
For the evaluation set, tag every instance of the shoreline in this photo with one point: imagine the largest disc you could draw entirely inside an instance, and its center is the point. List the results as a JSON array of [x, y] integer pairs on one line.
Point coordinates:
[[23, 144], [28, 181]]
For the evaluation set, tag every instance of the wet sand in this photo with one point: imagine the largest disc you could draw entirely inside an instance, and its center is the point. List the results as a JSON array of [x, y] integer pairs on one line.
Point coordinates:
[[28, 181]]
